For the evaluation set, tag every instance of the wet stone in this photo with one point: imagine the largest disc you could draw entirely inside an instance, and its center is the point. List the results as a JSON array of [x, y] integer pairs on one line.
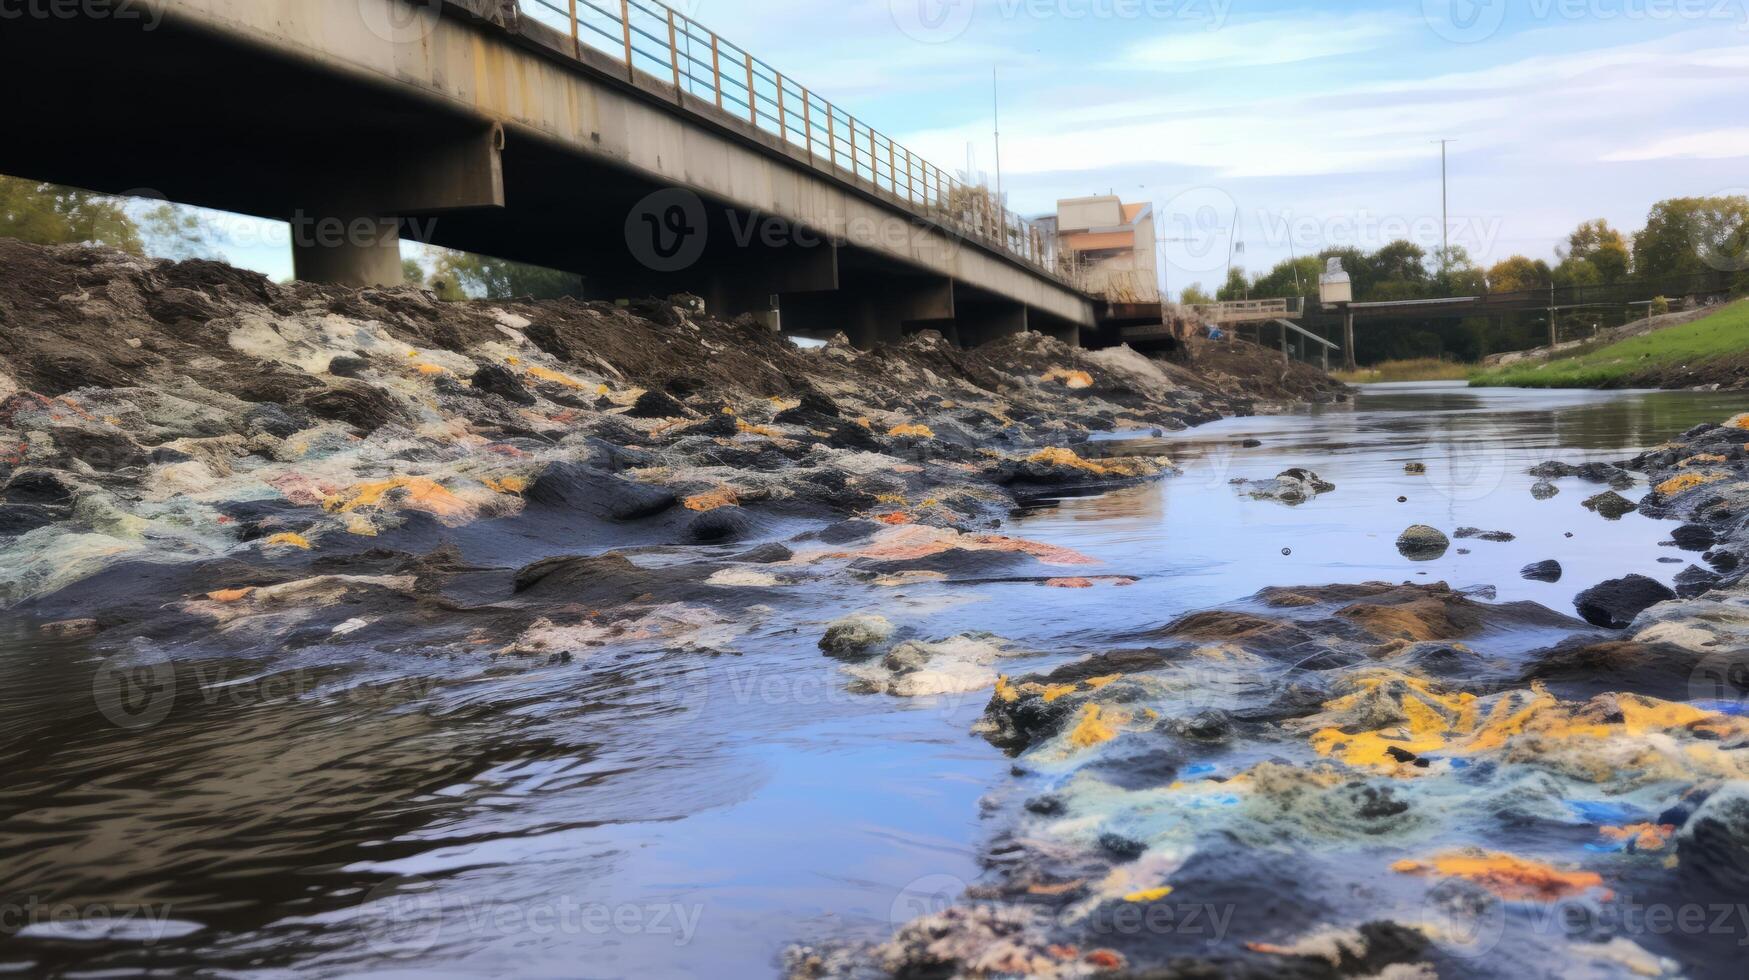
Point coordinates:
[[1616, 603]]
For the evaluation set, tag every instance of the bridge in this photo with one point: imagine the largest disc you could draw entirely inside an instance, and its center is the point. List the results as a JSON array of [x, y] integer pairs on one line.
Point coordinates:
[[618, 139]]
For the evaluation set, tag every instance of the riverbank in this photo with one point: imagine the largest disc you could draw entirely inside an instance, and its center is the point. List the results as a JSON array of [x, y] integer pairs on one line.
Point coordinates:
[[1410, 780], [1712, 351]]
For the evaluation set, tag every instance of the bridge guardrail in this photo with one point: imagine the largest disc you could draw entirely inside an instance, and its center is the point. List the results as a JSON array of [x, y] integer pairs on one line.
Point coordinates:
[[659, 41]]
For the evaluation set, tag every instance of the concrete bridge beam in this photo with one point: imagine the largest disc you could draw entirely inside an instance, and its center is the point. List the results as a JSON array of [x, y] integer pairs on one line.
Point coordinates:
[[875, 310], [982, 323]]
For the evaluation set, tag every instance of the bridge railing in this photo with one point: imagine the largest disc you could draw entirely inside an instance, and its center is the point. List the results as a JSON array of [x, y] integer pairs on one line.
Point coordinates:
[[659, 41]]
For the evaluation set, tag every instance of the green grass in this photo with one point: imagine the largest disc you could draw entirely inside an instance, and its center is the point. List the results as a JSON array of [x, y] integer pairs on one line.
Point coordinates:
[[1421, 369], [1724, 333]]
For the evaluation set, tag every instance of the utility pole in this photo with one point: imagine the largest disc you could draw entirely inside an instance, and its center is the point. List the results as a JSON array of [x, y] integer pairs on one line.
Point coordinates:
[[996, 105], [1444, 210]]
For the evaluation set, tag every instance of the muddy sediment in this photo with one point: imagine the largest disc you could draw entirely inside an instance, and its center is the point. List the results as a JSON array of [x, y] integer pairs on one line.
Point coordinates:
[[1383, 780]]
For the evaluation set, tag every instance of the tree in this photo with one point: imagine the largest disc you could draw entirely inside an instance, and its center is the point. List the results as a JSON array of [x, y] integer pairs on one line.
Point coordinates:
[[1404, 264], [1693, 235], [171, 231], [412, 273], [462, 275], [1237, 286], [1518, 274], [1457, 275], [1291, 277], [1194, 295], [49, 214], [1577, 272], [1601, 247]]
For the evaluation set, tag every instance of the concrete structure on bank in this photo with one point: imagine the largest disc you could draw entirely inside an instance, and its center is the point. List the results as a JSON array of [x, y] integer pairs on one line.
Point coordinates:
[[465, 124]]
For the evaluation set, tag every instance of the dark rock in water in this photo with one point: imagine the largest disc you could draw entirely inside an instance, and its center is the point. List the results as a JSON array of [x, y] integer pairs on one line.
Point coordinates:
[[1477, 534], [611, 580], [765, 554], [1612, 506], [583, 488], [348, 367], [659, 405], [1544, 571], [1671, 561], [1292, 487], [1582, 669], [1695, 537], [1251, 444], [958, 564], [716, 526], [501, 381], [1696, 581], [1616, 603], [1209, 726], [844, 532], [1544, 490], [1606, 473], [1047, 806], [1423, 543], [1120, 848]]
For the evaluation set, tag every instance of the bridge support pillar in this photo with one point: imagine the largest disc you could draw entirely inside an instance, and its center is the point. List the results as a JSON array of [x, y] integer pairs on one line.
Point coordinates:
[[352, 251], [1348, 356], [984, 323], [1067, 331], [872, 312]]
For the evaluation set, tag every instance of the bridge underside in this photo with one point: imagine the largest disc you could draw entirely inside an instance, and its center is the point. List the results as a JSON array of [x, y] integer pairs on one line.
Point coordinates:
[[371, 142]]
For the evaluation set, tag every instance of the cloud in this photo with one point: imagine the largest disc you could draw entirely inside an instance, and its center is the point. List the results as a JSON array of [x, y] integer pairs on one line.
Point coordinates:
[[1717, 144], [1277, 41]]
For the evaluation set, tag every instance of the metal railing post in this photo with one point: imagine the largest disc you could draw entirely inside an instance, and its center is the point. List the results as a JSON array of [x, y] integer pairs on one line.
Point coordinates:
[[674, 55], [625, 23], [782, 117], [752, 99], [808, 123], [893, 167], [576, 42], [717, 68], [832, 136]]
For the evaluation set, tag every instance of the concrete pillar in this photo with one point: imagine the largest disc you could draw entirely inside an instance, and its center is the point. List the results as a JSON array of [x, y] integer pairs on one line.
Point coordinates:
[[872, 311], [347, 251], [1348, 356], [981, 324]]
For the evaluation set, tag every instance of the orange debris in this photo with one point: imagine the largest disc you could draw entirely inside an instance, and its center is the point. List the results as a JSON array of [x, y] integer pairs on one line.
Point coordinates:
[[1511, 878]]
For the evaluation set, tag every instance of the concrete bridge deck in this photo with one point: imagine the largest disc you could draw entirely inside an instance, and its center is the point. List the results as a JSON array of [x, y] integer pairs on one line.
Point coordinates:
[[471, 125]]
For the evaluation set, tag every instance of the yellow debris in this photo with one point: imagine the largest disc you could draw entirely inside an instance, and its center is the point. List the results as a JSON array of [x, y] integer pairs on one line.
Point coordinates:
[[1064, 457], [714, 500], [1151, 895], [1704, 458], [1006, 691], [1096, 727], [421, 493], [1073, 379], [230, 595], [544, 374], [1687, 482], [510, 485], [432, 369], [289, 541], [360, 526], [1057, 692], [911, 432]]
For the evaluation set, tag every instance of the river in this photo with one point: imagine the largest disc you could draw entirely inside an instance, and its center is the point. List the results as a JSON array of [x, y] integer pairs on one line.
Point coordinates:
[[673, 815]]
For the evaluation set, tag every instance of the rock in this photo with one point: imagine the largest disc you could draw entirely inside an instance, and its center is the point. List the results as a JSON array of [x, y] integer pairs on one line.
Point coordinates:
[[102, 449], [815, 412], [1477, 534], [348, 367], [1544, 490], [1695, 581], [1617, 603], [71, 629], [659, 405], [856, 636], [272, 420], [1695, 537], [1292, 487], [1611, 505], [716, 526], [1423, 543], [495, 379], [575, 486], [1544, 571], [1415, 469]]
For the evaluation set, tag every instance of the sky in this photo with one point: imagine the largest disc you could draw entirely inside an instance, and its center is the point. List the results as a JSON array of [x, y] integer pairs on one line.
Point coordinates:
[[1273, 128]]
